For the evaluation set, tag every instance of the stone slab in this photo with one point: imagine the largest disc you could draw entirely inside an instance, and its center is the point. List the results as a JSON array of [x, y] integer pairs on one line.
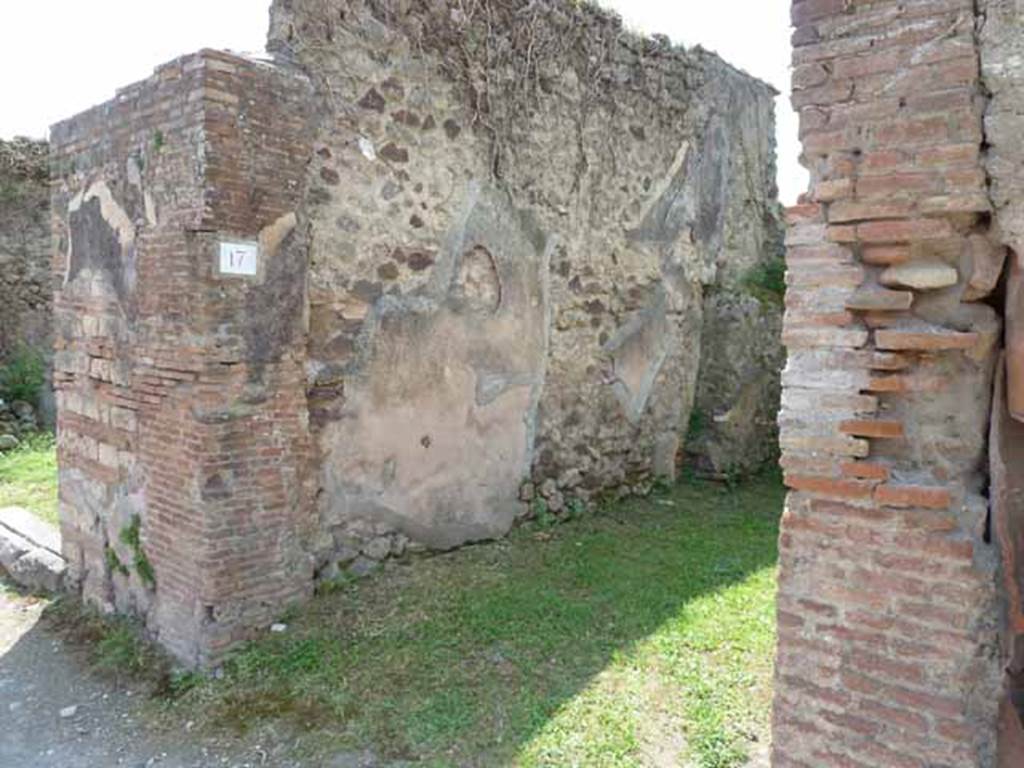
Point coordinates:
[[37, 531], [26, 552]]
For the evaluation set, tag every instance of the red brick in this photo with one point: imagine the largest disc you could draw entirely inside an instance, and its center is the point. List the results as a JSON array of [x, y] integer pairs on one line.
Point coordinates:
[[805, 213], [910, 383], [913, 496], [934, 340], [841, 234], [874, 664], [829, 486], [835, 189], [885, 255], [849, 210], [956, 155], [898, 185], [865, 470], [872, 428], [904, 231], [804, 11], [859, 66], [893, 716]]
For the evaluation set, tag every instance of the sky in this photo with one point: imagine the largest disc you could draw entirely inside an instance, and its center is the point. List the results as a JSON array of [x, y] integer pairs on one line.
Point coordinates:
[[59, 57]]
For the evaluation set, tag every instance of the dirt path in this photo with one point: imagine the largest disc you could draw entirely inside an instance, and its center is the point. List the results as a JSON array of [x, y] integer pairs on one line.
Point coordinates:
[[40, 677]]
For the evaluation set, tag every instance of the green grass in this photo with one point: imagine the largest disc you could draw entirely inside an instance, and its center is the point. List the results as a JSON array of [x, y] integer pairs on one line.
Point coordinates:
[[766, 281], [28, 477], [642, 635]]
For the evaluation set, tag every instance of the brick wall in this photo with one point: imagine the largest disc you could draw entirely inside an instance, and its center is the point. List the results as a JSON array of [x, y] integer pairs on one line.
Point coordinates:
[[182, 435], [889, 604]]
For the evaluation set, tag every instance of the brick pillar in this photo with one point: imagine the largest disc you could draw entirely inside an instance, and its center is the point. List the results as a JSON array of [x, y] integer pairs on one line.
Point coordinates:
[[888, 611], [183, 443]]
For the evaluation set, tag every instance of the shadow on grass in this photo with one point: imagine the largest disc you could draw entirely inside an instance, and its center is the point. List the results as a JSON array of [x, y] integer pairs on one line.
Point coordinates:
[[538, 650]]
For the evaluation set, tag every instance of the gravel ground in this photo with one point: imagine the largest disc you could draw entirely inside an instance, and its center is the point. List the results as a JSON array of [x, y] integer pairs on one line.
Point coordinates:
[[56, 713]]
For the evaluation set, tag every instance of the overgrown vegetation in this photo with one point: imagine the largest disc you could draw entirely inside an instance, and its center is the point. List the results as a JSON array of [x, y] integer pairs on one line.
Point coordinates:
[[28, 476], [644, 629], [114, 562], [130, 537], [766, 281], [22, 375], [698, 424]]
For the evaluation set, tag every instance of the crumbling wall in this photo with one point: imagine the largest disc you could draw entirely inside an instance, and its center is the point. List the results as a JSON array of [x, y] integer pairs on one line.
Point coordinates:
[[26, 282], [890, 594], [516, 211], [476, 253], [182, 433]]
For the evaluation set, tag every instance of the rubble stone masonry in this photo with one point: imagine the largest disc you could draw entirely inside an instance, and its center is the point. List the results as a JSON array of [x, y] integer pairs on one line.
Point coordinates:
[[26, 282], [530, 232], [892, 587]]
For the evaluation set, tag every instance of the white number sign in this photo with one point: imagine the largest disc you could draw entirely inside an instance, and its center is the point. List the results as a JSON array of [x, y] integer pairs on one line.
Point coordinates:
[[239, 258]]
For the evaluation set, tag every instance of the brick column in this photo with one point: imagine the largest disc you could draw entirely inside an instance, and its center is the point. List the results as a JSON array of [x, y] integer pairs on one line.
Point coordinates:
[[183, 442], [888, 611]]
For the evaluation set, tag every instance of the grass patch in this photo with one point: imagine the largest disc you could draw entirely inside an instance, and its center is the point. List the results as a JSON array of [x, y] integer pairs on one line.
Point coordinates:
[[28, 477], [766, 281], [642, 634]]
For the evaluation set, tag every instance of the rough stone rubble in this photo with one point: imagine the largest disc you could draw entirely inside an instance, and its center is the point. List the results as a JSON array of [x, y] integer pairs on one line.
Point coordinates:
[[26, 271]]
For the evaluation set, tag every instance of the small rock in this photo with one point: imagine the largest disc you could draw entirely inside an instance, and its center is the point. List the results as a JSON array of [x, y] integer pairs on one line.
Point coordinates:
[[8, 442], [880, 299], [556, 502], [69, 711], [920, 275], [378, 548], [367, 148], [278, 628], [23, 411], [345, 553], [570, 478], [527, 491], [548, 488], [399, 544], [362, 566], [38, 569]]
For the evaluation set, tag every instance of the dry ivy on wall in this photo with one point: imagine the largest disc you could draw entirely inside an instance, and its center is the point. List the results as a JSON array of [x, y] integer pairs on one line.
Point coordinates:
[[23, 158]]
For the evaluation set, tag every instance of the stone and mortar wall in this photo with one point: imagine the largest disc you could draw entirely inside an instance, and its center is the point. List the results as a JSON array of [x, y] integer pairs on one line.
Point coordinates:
[[185, 480], [516, 213], [891, 601], [26, 281]]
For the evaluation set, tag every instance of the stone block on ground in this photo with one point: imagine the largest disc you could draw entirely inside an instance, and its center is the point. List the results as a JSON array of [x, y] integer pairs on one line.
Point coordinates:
[[29, 550]]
